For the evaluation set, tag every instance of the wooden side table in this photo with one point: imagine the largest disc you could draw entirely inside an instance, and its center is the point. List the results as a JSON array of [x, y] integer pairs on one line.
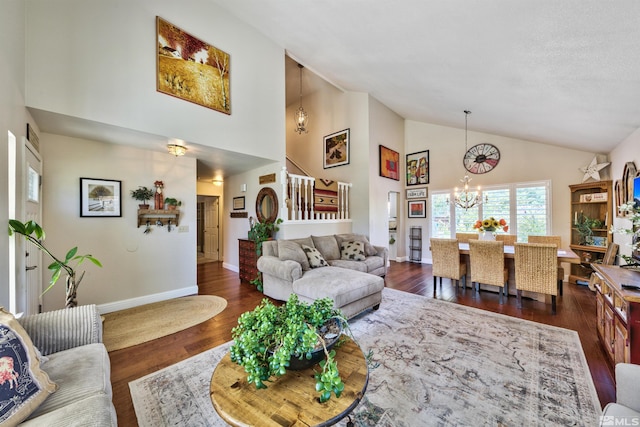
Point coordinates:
[[290, 399]]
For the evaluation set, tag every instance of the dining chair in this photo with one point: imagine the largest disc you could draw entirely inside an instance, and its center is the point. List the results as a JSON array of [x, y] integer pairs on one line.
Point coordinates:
[[465, 237], [537, 270], [609, 258], [507, 239], [487, 265], [556, 241], [446, 263]]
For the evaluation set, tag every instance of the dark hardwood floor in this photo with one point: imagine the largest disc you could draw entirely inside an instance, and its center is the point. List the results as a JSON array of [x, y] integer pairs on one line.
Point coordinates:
[[576, 311]]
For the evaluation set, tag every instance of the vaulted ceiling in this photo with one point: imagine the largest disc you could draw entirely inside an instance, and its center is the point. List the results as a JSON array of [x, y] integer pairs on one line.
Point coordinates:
[[561, 72]]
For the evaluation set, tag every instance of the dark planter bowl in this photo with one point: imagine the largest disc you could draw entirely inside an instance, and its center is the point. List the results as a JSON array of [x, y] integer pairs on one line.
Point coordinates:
[[295, 364]]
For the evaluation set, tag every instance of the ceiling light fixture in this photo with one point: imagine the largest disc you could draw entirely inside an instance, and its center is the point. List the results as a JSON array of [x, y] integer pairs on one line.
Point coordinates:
[[301, 116], [176, 150], [466, 199]]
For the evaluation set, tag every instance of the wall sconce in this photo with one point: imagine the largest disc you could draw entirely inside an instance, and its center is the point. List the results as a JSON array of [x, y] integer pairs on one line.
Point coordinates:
[[176, 150]]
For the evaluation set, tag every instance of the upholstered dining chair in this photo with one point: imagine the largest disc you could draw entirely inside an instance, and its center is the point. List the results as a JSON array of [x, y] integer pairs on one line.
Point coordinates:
[[537, 270], [445, 256], [507, 239], [465, 237], [487, 265], [556, 241]]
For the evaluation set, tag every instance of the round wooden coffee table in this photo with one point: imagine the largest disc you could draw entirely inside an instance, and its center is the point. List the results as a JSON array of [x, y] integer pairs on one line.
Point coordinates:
[[290, 399]]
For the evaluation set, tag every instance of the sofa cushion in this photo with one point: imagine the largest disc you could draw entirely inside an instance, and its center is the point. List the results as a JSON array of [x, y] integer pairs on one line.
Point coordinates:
[[371, 263], [80, 372], [315, 257], [94, 410], [328, 246], [291, 250], [23, 384], [369, 248], [341, 285], [352, 251]]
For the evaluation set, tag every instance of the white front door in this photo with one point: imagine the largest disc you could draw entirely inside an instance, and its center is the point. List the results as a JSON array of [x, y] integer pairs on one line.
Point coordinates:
[[33, 212], [211, 228]]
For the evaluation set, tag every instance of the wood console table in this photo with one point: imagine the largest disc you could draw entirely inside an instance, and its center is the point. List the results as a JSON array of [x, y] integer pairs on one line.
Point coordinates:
[[618, 313], [290, 399]]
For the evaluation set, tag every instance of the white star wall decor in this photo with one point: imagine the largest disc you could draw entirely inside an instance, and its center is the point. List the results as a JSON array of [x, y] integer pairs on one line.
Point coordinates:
[[593, 170]]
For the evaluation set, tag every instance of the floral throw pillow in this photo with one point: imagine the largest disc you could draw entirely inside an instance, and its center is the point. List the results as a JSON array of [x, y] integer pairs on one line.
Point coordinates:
[[315, 257], [23, 385], [352, 251]]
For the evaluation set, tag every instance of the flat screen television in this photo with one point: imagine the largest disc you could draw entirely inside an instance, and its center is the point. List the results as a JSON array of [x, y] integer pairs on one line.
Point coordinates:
[[636, 199]]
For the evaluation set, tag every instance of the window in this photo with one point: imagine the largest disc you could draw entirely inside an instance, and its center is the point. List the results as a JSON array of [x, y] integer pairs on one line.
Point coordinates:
[[525, 206]]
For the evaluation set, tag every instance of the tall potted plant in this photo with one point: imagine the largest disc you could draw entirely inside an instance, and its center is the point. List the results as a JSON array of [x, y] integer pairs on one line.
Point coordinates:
[[259, 232], [33, 233]]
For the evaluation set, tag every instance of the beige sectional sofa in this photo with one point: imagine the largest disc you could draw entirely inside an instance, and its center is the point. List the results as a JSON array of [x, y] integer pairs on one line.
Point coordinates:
[[345, 267]]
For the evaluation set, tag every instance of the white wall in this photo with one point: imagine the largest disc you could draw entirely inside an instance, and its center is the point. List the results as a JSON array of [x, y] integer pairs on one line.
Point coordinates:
[[97, 60], [520, 161], [626, 151], [137, 267]]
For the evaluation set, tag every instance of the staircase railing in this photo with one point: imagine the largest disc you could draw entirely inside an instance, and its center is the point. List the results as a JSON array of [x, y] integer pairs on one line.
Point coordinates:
[[298, 199]]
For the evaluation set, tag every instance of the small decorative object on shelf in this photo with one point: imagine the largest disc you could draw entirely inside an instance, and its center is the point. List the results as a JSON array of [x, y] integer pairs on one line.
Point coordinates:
[[157, 198], [142, 194], [172, 203]]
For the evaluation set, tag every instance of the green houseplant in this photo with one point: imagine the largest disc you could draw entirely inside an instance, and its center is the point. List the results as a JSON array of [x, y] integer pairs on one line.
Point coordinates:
[[632, 212], [269, 337], [33, 233], [142, 194], [172, 203], [259, 232]]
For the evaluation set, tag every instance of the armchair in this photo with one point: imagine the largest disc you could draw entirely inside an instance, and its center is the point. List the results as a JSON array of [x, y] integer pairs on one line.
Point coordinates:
[[627, 405]]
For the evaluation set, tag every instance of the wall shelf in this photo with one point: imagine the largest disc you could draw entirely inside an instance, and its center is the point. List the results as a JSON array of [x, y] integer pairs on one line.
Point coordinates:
[[163, 215]]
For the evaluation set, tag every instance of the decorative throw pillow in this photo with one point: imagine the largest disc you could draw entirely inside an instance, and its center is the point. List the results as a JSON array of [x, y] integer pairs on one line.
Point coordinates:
[[328, 246], [352, 251], [288, 249], [370, 250], [315, 257], [23, 385]]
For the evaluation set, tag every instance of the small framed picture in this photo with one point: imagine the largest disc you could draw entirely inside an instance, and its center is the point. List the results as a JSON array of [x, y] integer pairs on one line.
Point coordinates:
[[417, 209], [418, 168], [389, 163], [336, 149], [100, 197], [238, 203], [417, 193]]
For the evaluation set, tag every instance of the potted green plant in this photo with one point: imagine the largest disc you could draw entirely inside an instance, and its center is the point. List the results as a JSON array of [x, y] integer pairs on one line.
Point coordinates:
[[269, 338], [259, 232], [585, 226], [33, 233], [172, 203], [142, 194]]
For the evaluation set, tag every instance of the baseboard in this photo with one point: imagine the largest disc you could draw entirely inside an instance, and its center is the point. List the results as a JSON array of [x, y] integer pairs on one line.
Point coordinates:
[[231, 267], [147, 299]]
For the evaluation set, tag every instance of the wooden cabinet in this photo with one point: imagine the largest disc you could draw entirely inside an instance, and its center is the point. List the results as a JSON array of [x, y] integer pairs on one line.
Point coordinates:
[[618, 313], [248, 260], [590, 201]]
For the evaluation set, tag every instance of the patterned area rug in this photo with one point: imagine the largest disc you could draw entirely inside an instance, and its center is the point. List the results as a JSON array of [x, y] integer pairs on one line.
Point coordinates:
[[440, 364]]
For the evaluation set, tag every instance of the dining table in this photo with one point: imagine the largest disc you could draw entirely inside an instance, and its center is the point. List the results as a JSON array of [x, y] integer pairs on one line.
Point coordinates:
[[565, 255]]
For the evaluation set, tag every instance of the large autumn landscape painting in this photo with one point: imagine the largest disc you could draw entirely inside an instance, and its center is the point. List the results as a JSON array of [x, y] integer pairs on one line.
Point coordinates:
[[191, 69]]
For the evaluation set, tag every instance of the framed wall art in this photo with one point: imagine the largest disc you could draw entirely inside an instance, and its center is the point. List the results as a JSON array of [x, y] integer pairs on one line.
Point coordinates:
[[238, 203], [389, 163], [417, 209], [336, 149], [100, 197], [418, 168], [417, 193], [191, 69]]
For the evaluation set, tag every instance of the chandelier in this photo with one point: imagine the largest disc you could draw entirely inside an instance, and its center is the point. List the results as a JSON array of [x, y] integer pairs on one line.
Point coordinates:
[[301, 116], [466, 199], [176, 150]]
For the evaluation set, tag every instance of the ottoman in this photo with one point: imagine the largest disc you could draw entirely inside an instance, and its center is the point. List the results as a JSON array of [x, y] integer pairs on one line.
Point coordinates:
[[352, 291]]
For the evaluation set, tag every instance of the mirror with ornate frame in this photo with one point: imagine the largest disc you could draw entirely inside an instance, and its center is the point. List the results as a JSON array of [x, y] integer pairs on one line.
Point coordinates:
[[267, 205]]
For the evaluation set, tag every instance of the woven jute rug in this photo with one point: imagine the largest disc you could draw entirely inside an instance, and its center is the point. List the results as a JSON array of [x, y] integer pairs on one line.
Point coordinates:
[[439, 364], [136, 325]]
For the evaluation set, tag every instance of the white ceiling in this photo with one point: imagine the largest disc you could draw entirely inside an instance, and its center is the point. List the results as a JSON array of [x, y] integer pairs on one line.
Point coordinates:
[[562, 72]]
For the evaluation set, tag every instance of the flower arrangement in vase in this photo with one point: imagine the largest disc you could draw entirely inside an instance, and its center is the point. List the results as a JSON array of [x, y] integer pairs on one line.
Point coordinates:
[[489, 226], [632, 213]]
